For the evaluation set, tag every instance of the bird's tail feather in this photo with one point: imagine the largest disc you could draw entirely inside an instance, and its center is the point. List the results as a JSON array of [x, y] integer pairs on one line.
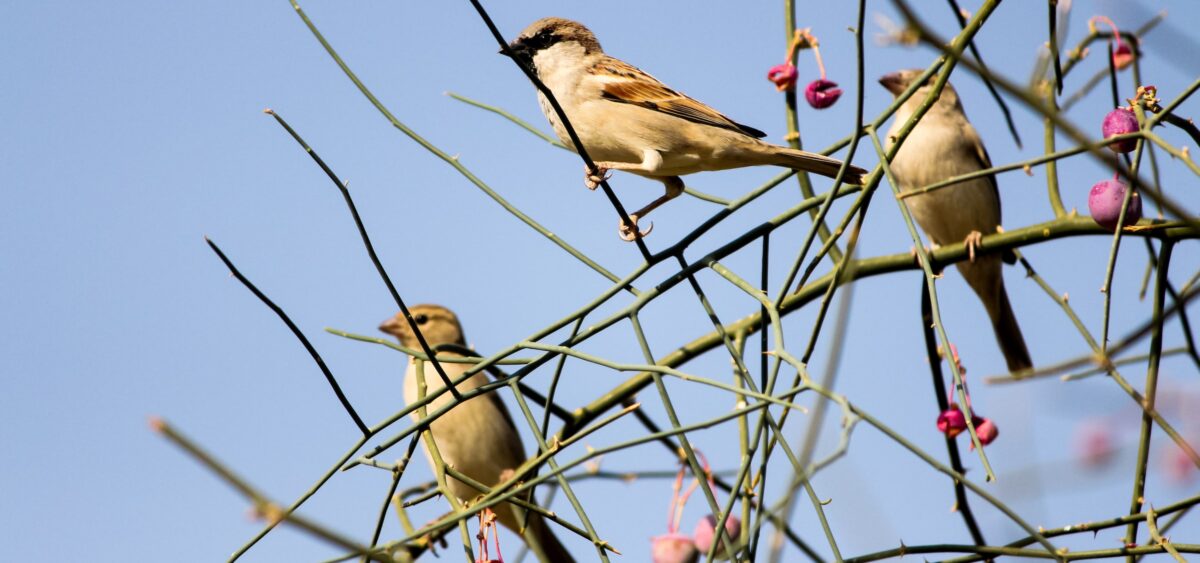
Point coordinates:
[[816, 163], [1008, 334]]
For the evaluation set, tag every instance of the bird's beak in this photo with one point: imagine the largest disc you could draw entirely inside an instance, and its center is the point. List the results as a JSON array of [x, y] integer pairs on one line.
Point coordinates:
[[893, 82], [391, 326], [518, 49]]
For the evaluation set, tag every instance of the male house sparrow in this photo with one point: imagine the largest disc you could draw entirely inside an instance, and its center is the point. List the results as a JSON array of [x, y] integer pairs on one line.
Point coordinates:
[[628, 120], [477, 437], [941, 146]]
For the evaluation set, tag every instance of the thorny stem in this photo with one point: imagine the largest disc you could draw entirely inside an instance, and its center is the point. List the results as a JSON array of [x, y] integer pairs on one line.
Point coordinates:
[[1139, 476]]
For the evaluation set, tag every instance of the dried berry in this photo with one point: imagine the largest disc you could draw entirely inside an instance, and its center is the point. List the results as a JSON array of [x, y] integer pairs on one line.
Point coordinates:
[[784, 76], [822, 93]]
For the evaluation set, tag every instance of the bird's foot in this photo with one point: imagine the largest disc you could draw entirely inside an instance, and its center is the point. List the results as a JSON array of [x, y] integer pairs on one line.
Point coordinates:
[[629, 232], [593, 178], [912, 251], [972, 242]]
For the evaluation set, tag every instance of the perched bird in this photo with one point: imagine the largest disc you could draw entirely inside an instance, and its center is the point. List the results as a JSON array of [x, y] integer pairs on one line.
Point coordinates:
[[477, 437], [628, 120], [941, 146]]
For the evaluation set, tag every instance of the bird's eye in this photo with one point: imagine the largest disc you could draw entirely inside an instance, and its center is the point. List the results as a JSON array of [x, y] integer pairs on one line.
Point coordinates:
[[541, 39], [421, 319]]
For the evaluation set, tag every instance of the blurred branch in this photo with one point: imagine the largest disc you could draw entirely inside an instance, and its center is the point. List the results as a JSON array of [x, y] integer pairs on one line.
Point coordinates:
[[263, 506]]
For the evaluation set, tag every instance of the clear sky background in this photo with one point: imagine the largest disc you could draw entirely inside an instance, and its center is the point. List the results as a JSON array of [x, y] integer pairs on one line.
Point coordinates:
[[131, 130]]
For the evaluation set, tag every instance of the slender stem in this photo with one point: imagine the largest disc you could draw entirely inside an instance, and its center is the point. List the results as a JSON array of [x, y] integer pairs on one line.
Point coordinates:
[[1008, 120], [449, 159], [927, 267], [939, 391], [362, 232], [1139, 475], [312, 351]]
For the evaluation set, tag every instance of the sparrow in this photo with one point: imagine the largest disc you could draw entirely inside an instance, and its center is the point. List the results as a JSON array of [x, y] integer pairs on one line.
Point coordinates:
[[628, 120], [477, 437], [941, 146]]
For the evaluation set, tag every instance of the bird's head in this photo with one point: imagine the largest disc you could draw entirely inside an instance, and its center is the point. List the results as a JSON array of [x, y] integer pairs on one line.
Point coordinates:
[[437, 324], [899, 81], [552, 34]]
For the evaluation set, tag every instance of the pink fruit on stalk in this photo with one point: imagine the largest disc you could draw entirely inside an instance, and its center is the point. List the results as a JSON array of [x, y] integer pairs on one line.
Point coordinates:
[[672, 548], [1122, 56], [822, 93], [1104, 201], [951, 422], [706, 531], [1119, 122], [784, 76], [986, 430]]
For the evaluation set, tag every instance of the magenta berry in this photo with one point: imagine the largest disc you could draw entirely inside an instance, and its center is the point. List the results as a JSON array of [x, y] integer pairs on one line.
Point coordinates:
[[1119, 122], [951, 422], [784, 76], [705, 533], [1105, 201], [672, 548], [986, 430], [822, 93]]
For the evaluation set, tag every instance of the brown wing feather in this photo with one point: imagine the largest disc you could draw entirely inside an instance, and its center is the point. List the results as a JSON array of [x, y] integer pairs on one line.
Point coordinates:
[[628, 84]]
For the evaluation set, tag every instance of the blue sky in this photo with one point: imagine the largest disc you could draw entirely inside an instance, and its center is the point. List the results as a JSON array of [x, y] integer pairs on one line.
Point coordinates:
[[133, 130]]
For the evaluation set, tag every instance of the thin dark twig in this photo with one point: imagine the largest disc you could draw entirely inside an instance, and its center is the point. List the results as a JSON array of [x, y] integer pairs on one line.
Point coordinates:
[[362, 231], [939, 390], [762, 334], [1185, 124], [1112, 78], [1058, 71], [962, 22], [562, 118], [337, 389]]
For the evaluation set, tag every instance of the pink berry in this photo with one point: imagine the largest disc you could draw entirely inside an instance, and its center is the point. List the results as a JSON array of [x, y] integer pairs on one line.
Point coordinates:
[[1094, 444], [951, 422], [1105, 201], [1119, 122], [672, 548], [1122, 56], [1179, 466], [705, 533], [986, 430], [784, 76], [822, 93]]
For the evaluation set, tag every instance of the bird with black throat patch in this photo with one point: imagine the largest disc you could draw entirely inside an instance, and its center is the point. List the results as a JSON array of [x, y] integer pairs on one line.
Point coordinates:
[[628, 120]]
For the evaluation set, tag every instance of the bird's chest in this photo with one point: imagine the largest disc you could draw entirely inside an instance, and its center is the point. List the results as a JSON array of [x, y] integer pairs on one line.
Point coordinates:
[[934, 154]]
